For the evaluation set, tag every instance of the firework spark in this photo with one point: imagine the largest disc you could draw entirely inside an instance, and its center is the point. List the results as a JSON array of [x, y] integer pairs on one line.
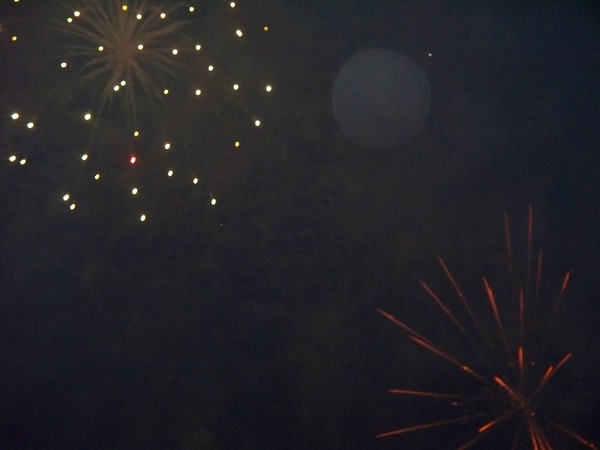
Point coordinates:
[[508, 369]]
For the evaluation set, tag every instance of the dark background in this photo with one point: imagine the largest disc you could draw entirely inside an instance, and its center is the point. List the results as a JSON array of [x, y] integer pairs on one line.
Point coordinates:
[[252, 324]]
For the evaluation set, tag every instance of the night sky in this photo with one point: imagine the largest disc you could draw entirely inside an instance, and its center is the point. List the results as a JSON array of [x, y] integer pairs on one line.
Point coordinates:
[[241, 312]]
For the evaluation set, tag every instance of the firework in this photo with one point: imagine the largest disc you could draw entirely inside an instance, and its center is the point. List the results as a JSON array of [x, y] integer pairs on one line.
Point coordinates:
[[134, 96], [125, 48], [505, 364]]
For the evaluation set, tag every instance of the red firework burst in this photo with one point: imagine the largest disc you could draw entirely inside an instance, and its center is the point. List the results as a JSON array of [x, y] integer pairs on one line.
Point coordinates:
[[506, 364]]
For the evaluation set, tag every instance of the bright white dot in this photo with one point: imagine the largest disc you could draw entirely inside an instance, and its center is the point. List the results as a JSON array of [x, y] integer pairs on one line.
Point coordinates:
[[198, 92], [116, 87], [30, 125], [213, 201], [143, 218], [239, 33], [132, 160], [192, 9], [257, 123], [236, 87], [97, 177], [84, 157], [14, 116], [66, 197], [268, 88], [232, 4], [167, 145], [123, 83], [63, 65], [134, 191], [100, 48], [23, 162], [430, 54], [166, 92], [140, 47], [69, 19], [136, 133], [163, 16], [237, 144], [73, 206], [170, 173], [76, 13], [87, 116], [12, 158], [198, 47], [196, 180], [211, 68], [13, 38], [138, 16], [175, 52]]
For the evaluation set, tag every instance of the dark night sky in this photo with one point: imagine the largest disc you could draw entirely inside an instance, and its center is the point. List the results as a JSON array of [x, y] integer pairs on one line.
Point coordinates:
[[252, 324]]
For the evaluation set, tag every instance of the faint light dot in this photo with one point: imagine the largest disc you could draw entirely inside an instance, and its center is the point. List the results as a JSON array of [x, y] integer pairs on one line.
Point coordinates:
[[100, 48], [198, 91], [14, 116], [257, 123], [97, 177], [195, 180], [163, 16], [198, 47], [167, 145], [265, 28], [170, 173], [213, 201], [87, 116], [211, 68], [12, 158], [237, 144], [239, 33], [166, 92], [84, 157], [268, 88], [23, 162], [175, 51], [66, 197], [30, 125], [236, 87], [143, 218], [134, 191], [63, 65], [140, 47], [132, 160], [14, 38], [73, 206], [430, 54]]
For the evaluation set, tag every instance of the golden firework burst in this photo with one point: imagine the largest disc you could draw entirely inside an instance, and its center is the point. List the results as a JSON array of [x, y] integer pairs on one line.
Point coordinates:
[[132, 96], [127, 48]]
